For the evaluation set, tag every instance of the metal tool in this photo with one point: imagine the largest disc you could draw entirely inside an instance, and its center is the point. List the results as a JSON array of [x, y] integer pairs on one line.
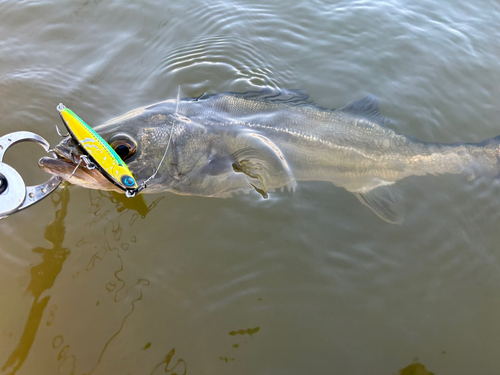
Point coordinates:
[[14, 194]]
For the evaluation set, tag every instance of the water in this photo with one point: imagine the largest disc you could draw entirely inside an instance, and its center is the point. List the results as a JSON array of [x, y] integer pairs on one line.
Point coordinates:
[[311, 282]]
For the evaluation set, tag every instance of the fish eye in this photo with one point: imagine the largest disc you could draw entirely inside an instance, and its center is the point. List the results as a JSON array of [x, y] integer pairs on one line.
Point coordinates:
[[123, 145]]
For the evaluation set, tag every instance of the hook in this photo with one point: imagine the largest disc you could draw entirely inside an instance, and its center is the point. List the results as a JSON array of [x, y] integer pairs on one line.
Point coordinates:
[[62, 135]]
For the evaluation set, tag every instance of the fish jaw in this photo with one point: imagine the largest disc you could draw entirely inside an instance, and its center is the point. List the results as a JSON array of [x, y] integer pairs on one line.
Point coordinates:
[[63, 166]]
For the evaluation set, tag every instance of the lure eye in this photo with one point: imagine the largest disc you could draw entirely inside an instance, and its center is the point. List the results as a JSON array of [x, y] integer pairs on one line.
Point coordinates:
[[128, 181], [124, 146]]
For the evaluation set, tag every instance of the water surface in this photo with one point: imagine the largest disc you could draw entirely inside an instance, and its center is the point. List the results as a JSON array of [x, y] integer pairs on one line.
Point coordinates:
[[305, 282]]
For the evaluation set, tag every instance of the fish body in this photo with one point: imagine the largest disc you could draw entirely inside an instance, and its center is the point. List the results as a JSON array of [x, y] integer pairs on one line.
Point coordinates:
[[228, 143]]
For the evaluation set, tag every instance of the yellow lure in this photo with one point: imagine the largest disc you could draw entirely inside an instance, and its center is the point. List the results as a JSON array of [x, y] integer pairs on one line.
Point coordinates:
[[98, 150]]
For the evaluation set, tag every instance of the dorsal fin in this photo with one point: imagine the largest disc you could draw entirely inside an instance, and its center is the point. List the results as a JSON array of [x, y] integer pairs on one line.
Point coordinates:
[[366, 107], [268, 94], [292, 97]]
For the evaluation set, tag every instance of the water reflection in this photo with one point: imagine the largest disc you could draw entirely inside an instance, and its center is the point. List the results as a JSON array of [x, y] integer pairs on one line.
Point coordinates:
[[179, 365], [415, 368], [67, 361], [43, 276], [109, 241], [138, 286], [116, 242], [248, 331], [240, 332]]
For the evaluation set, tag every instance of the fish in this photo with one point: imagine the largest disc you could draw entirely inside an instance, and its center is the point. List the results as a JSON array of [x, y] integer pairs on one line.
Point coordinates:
[[230, 143]]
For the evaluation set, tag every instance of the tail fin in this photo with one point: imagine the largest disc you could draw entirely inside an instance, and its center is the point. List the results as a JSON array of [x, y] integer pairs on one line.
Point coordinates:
[[471, 159]]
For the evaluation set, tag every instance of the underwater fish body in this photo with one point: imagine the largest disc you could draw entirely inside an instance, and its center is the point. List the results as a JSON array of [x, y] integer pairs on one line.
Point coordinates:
[[262, 141]]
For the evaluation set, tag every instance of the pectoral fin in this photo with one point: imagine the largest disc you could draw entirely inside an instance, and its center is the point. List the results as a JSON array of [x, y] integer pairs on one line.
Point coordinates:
[[385, 201], [252, 170], [262, 162]]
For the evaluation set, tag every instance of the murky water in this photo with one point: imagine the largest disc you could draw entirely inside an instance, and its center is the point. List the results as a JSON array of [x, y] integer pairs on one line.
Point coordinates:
[[311, 282]]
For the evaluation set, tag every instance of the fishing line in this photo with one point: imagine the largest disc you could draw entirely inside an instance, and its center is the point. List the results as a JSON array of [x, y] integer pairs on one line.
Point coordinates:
[[132, 193]]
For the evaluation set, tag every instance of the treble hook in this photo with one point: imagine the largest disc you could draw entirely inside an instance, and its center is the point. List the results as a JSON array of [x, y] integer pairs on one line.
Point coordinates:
[[62, 135], [86, 160], [74, 170]]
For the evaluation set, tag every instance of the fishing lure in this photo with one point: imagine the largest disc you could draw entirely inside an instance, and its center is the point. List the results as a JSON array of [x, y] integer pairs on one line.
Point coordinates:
[[98, 153]]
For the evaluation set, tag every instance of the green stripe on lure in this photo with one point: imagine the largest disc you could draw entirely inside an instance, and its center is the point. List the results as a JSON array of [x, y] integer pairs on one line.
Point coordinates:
[[99, 152]]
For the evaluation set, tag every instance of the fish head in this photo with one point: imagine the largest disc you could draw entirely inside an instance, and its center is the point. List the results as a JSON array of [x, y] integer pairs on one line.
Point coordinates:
[[139, 137]]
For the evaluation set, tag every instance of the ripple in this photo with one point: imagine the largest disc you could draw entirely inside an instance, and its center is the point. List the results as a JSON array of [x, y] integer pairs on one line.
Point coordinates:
[[213, 53], [217, 60]]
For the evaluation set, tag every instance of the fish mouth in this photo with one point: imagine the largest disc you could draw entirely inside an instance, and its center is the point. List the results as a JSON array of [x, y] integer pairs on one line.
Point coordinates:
[[66, 158]]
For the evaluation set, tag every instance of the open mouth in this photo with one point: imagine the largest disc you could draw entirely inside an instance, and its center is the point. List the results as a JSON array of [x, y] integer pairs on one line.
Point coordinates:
[[64, 165]]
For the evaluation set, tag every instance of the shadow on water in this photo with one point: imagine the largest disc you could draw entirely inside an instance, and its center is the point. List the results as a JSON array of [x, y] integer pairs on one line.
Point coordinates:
[[137, 204], [43, 276]]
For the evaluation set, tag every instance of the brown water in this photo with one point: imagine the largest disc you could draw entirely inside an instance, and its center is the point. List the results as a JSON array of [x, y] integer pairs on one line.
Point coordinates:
[[311, 282]]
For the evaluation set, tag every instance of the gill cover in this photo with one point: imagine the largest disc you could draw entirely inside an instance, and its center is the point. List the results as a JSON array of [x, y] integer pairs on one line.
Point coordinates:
[[99, 151]]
